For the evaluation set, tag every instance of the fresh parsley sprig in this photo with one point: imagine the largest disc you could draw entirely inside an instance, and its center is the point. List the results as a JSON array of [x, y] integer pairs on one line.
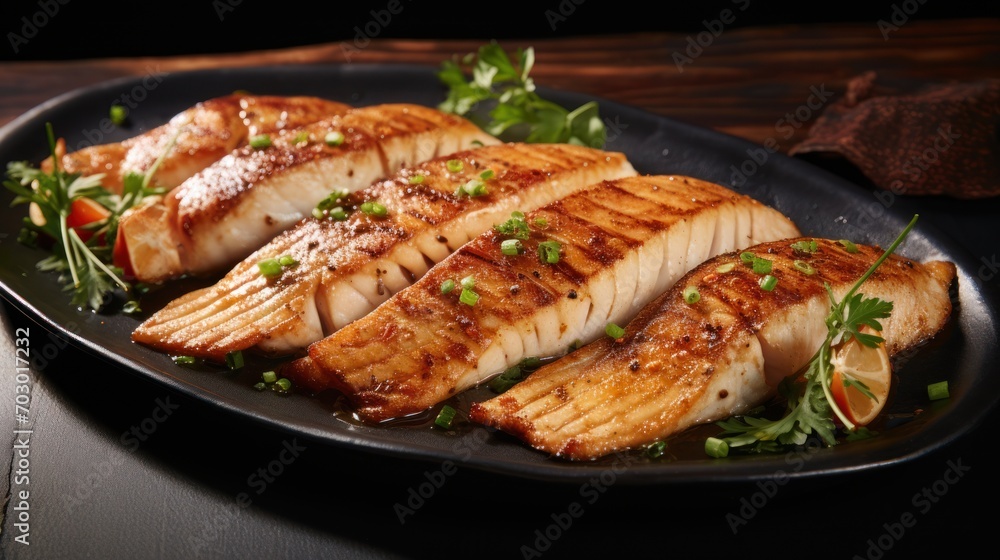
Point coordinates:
[[517, 112], [810, 404], [85, 266]]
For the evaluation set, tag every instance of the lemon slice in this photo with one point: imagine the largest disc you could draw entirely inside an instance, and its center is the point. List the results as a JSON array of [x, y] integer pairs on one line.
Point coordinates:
[[870, 366]]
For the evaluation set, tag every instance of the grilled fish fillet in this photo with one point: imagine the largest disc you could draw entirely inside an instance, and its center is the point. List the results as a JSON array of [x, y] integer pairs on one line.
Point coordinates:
[[239, 203], [683, 364], [209, 130], [346, 268], [622, 243]]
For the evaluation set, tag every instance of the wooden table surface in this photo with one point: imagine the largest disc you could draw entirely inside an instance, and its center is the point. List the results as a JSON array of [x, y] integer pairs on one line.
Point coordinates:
[[742, 83], [177, 489]]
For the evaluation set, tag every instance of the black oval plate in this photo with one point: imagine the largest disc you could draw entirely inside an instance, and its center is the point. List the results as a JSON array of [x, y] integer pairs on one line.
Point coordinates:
[[820, 203]]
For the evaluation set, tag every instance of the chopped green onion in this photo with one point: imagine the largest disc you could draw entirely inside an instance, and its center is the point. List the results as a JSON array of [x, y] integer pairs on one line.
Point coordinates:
[[468, 282], [131, 306], [118, 115], [287, 260], [416, 179], [848, 246], [260, 386], [487, 175], [334, 198], [761, 266], [475, 187], [806, 246], [301, 138], [531, 362], [283, 385], [234, 360], [374, 208], [510, 377], [656, 449], [515, 226], [445, 418], [541, 223], [691, 294], [269, 268], [447, 286], [511, 247], [724, 268], [334, 138], [768, 283], [614, 331], [338, 213], [747, 257], [454, 165], [269, 376], [184, 360], [468, 297], [548, 251], [938, 391], [260, 141], [716, 448], [804, 267]]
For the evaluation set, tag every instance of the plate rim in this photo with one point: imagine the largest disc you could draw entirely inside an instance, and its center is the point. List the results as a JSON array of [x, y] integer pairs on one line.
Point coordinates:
[[551, 470]]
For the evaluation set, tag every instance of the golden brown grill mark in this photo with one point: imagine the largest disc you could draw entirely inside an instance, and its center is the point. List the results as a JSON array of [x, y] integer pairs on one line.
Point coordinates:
[[595, 233], [331, 252]]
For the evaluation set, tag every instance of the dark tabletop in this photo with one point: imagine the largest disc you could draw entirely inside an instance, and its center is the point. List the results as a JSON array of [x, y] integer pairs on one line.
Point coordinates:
[[122, 467]]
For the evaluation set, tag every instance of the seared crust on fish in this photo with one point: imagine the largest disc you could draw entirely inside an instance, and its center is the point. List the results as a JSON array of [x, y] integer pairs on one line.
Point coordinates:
[[346, 268], [237, 204], [621, 244], [682, 364], [208, 131]]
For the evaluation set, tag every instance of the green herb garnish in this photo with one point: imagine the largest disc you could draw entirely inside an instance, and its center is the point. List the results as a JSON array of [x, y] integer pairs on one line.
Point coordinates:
[[514, 375], [809, 246], [691, 295], [517, 112], [548, 251], [810, 405], [260, 141], [375, 209], [938, 391], [511, 247], [118, 114], [334, 138], [445, 418], [516, 226], [614, 331], [447, 286], [85, 266]]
